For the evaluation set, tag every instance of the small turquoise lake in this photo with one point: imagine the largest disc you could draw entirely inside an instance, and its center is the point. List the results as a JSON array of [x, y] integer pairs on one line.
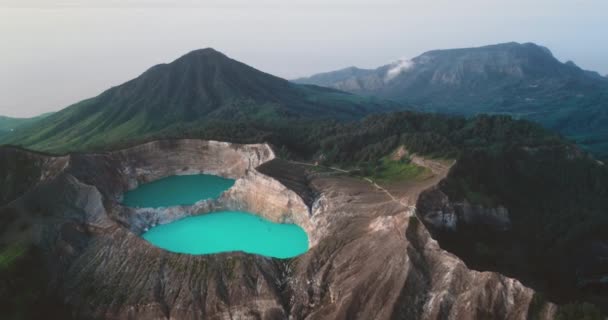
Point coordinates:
[[228, 231], [216, 232], [177, 190]]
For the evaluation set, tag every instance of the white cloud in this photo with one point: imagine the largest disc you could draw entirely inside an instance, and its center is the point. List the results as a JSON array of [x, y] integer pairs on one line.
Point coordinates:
[[397, 68]]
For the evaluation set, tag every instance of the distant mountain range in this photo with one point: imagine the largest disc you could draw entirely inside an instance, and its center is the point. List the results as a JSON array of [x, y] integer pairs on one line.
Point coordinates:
[[522, 80], [200, 86]]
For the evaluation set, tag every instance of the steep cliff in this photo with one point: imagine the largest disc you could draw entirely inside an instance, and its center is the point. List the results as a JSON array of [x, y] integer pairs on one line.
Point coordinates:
[[369, 256], [518, 213]]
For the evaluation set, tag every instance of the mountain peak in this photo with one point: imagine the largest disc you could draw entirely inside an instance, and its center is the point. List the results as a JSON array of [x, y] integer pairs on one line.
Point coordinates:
[[506, 47], [534, 46], [204, 52], [201, 86]]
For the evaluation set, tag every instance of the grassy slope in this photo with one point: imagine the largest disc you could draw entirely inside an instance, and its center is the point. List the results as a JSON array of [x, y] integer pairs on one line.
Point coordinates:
[[201, 86], [387, 170], [10, 255], [9, 124], [78, 128]]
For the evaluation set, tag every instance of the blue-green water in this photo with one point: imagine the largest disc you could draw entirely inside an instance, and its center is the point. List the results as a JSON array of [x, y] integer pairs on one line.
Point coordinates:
[[177, 190], [216, 232], [227, 231]]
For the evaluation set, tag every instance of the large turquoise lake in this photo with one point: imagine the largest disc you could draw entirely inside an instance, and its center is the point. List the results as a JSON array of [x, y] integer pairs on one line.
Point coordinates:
[[228, 231], [177, 190], [216, 232]]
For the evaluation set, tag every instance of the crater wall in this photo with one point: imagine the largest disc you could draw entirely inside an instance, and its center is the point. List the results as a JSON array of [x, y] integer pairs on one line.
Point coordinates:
[[253, 191], [370, 257]]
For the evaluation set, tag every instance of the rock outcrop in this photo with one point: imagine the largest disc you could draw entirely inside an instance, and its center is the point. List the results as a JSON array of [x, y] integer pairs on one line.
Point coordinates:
[[440, 213], [21, 170], [369, 258]]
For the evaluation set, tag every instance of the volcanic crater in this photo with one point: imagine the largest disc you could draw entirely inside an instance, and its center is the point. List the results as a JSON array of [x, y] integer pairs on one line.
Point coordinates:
[[370, 255]]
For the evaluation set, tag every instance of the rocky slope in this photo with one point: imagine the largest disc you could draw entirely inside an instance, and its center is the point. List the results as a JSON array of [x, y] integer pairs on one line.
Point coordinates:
[[370, 257]]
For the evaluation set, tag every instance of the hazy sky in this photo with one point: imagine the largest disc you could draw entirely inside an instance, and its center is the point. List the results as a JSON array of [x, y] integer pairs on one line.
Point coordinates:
[[54, 53]]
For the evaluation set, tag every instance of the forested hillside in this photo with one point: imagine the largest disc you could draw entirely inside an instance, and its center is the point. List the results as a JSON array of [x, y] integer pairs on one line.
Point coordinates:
[[200, 86]]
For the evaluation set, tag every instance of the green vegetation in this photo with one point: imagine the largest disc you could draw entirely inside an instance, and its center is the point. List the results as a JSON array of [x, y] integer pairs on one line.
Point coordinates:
[[10, 254], [387, 170], [23, 285], [196, 89], [9, 125], [578, 311]]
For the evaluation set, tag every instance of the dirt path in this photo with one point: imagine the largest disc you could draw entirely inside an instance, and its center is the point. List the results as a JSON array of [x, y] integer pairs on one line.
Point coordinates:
[[439, 168], [372, 182], [395, 199], [318, 166]]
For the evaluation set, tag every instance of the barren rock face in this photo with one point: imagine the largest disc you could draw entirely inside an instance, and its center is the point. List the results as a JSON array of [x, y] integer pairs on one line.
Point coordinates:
[[440, 213], [369, 257], [378, 261], [159, 159], [256, 192]]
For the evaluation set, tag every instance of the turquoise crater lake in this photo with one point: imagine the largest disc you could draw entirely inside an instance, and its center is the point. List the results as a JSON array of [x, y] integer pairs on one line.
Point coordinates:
[[216, 232], [176, 191], [228, 231]]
